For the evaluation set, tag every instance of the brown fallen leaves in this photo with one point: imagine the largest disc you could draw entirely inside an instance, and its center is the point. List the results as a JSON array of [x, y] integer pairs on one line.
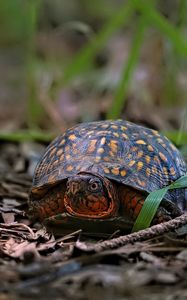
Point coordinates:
[[35, 263]]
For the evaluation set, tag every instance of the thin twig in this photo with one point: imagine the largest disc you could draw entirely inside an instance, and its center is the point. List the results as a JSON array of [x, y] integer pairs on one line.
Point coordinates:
[[141, 235]]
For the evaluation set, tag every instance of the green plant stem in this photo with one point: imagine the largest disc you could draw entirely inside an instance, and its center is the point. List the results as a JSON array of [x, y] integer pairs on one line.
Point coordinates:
[[156, 19], [85, 57], [127, 72]]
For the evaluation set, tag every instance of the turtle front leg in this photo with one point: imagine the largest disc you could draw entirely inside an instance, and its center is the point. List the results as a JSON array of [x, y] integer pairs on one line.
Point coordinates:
[[48, 205], [131, 202]]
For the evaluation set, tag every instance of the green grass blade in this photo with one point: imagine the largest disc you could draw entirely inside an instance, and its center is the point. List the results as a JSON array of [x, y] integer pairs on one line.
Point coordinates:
[[85, 57], [26, 135], [127, 73], [152, 203], [156, 19]]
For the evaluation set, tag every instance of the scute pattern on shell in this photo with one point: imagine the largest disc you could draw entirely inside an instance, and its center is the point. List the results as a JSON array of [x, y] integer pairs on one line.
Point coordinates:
[[119, 150]]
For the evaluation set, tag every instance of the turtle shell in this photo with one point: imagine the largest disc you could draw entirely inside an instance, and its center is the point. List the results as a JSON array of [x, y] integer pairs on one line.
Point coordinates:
[[119, 150]]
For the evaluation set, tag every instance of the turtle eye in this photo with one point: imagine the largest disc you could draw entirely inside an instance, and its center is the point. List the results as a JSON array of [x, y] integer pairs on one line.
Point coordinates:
[[94, 186]]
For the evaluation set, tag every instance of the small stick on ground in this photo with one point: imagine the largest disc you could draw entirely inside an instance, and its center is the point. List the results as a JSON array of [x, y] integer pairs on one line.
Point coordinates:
[[141, 235]]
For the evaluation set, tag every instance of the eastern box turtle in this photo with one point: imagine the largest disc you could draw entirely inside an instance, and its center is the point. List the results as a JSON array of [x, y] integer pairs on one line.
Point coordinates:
[[105, 170]]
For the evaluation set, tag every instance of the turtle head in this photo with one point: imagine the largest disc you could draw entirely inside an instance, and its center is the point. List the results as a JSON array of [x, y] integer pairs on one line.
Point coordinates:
[[90, 196]]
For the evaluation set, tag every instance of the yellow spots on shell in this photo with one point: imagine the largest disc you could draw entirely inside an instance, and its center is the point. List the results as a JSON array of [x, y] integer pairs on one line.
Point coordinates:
[[140, 154], [124, 128], [62, 142], [106, 170], [150, 148], [155, 132], [159, 140], [68, 156], [103, 140], [61, 158], [173, 147], [129, 155], [114, 127], [67, 148], [52, 178], [113, 146], [172, 171], [106, 158], [141, 183], [55, 162], [104, 126], [134, 149], [74, 151], [123, 173], [97, 159], [139, 165], [111, 153], [162, 156], [116, 134], [69, 168], [147, 159], [131, 163], [100, 150], [90, 132], [165, 171], [124, 135], [52, 152], [148, 172], [115, 171], [154, 170], [72, 137], [92, 146], [156, 159], [140, 142], [59, 152]]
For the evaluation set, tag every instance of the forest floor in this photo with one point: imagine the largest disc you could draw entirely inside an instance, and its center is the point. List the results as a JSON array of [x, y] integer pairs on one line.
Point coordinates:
[[35, 264]]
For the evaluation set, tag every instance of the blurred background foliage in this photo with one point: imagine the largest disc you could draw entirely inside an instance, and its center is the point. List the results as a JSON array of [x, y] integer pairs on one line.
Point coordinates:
[[64, 62]]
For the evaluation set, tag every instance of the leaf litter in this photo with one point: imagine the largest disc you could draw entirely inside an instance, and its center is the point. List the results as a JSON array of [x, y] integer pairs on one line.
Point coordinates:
[[35, 263]]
